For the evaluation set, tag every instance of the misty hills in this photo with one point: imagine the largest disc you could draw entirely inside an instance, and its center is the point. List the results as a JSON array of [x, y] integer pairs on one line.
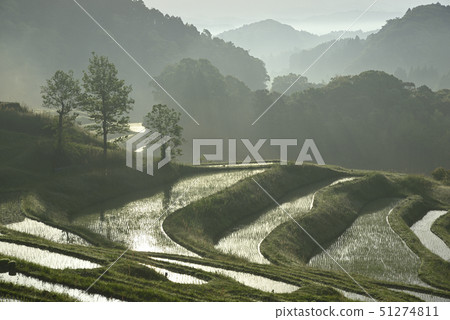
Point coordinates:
[[39, 37], [274, 42], [370, 121], [415, 47], [269, 37]]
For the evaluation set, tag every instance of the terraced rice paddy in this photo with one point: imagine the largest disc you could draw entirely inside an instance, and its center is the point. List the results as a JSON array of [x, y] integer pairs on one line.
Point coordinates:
[[248, 279], [432, 242], [42, 230], [371, 248], [139, 223], [177, 277], [246, 240], [343, 181], [8, 300], [424, 296], [80, 295], [354, 296], [44, 258]]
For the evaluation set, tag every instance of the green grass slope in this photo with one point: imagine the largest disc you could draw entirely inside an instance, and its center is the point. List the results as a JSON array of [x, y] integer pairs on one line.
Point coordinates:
[[200, 225]]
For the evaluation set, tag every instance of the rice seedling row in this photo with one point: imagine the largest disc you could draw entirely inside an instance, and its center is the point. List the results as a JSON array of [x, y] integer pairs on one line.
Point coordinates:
[[246, 240], [371, 248]]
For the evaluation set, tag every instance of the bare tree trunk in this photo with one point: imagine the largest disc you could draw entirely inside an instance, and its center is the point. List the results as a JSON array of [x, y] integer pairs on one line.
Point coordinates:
[[105, 143], [60, 128]]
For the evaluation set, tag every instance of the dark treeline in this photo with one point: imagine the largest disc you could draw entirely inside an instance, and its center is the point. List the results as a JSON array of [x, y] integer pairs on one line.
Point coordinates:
[[372, 120]]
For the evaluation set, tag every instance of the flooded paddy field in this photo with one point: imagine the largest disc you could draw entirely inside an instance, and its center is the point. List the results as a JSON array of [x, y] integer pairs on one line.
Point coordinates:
[[139, 223], [80, 295], [432, 242], [42, 230], [248, 279], [44, 258], [370, 247], [246, 240], [177, 277]]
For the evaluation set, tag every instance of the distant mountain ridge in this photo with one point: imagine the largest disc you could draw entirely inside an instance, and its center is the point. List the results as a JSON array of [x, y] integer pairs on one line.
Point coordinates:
[[274, 42], [420, 40]]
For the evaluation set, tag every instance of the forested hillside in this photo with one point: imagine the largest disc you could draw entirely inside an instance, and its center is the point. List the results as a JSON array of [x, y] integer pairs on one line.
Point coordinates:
[[36, 41], [372, 120], [415, 47]]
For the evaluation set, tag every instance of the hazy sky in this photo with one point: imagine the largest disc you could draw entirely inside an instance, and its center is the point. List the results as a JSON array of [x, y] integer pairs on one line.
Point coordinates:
[[319, 16]]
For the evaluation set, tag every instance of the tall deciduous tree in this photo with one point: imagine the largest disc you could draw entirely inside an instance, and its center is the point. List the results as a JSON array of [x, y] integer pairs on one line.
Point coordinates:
[[106, 99], [165, 121], [62, 92]]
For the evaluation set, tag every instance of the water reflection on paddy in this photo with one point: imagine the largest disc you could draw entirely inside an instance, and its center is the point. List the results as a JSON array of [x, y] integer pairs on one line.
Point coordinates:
[[44, 258], [432, 242], [26, 281], [139, 223], [245, 241], [248, 279], [370, 247], [177, 277], [42, 230]]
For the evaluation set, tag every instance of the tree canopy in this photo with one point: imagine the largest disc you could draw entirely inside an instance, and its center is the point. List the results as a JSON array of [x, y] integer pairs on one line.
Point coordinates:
[[106, 99], [165, 121], [62, 92]]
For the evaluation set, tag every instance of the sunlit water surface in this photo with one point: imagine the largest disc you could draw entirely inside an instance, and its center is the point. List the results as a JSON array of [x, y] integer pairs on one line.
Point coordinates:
[[245, 241], [177, 277], [42, 230], [371, 248], [248, 279], [432, 242], [139, 223], [26, 281], [424, 296], [44, 258]]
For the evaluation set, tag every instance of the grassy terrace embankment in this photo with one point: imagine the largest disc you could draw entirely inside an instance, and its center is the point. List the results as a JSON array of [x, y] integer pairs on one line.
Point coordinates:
[[433, 270], [201, 224], [335, 209], [39, 184], [441, 227], [35, 184], [52, 187]]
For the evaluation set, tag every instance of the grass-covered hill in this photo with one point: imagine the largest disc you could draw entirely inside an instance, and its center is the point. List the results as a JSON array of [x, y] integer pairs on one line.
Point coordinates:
[[414, 47], [35, 185], [69, 181]]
